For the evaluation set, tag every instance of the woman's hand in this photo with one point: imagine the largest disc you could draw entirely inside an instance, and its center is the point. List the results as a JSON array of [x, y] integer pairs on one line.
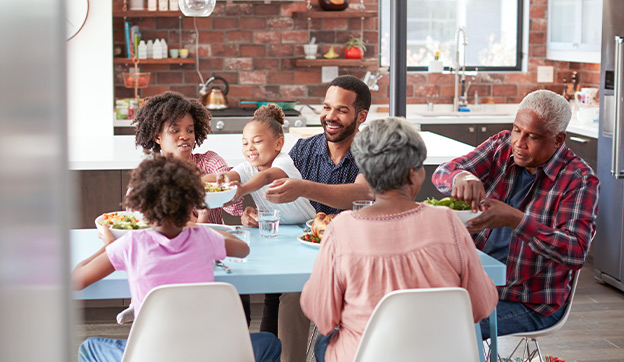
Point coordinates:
[[106, 236], [250, 217]]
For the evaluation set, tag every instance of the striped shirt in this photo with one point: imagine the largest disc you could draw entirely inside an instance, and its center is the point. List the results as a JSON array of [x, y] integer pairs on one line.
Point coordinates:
[[559, 222]]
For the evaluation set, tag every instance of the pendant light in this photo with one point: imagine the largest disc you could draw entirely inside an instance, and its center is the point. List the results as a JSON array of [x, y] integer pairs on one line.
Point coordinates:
[[197, 7]]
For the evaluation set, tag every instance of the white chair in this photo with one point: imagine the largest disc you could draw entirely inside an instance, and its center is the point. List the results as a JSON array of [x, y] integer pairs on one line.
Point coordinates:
[[531, 337], [432, 324], [190, 322]]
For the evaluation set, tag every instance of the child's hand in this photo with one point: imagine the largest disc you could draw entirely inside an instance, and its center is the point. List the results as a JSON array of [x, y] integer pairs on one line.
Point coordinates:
[[222, 178], [240, 192], [250, 217], [106, 236]]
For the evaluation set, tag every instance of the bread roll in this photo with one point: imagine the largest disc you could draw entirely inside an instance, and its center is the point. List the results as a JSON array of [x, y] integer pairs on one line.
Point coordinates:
[[321, 220]]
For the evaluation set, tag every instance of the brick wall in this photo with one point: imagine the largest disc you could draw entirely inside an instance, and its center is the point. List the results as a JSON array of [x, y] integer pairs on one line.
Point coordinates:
[[253, 45]]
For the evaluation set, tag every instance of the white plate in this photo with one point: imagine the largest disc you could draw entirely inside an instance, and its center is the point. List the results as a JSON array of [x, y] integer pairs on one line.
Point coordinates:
[[219, 198], [465, 215], [309, 223], [308, 243], [117, 233], [227, 228]]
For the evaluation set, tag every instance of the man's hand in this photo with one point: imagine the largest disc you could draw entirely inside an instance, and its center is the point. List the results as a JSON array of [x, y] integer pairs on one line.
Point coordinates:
[[469, 188], [284, 190], [250, 217], [497, 214]]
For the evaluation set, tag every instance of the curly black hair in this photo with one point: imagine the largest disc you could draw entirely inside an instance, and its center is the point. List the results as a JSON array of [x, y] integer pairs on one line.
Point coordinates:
[[165, 109], [273, 116], [166, 189]]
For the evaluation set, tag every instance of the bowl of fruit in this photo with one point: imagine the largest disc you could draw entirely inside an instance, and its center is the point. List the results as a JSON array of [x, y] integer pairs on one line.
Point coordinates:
[[459, 207]]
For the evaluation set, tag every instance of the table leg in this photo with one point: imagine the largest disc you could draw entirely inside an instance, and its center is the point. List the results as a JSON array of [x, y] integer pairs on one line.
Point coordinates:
[[479, 342], [493, 337]]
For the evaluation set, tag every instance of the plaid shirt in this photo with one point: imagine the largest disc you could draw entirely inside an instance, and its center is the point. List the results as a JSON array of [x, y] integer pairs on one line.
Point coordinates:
[[211, 163], [559, 220]]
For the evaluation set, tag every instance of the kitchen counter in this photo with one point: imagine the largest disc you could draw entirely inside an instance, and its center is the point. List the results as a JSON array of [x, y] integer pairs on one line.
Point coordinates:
[[119, 152]]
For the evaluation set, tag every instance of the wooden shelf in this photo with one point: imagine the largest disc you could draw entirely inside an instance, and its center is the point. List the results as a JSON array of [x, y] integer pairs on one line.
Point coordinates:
[[336, 62], [145, 14], [336, 14], [155, 61]]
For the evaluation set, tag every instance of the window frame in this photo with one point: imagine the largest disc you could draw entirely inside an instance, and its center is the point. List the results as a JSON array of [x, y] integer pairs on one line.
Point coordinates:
[[519, 46]]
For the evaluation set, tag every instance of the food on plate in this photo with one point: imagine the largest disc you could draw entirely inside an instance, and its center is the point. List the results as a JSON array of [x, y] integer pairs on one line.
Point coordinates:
[[214, 188], [319, 224], [123, 221], [448, 202]]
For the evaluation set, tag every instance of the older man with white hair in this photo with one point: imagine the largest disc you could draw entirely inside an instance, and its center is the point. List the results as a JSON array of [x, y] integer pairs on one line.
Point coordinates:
[[539, 203]]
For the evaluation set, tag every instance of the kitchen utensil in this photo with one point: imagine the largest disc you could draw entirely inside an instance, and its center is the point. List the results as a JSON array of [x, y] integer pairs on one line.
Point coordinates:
[[586, 97], [215, 97], [220, 264], [284, 105]]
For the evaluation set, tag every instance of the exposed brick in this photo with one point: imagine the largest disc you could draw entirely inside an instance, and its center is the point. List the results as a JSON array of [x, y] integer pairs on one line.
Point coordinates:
[[225, 23], [145, 23], [335, 24], [318, 91], [504, 90], [431, 90], [202, 23], [288, 9], [166, 23], [412, 78], [154, 90], [237, 64], [279, 23], [211, 63], [169, 77], [537, 38], [265, 64], [252, 77], [223, 50], [264, 37], [484, 90], [440, 78], [238, 36], [538, 11], [309, 77], [293, 91], [212, 37], [324, 37], [239, 9], [538, 25], [266, 92], [271, 9], [447, 90], [252, 50], [202, 50], [286, 64], [537, 50], [295, 36], [253, 24], [187, 90], [516, 78], [193, 78], [239, 91], [539, 2], [281, 77], [281, 50], [525, 89]]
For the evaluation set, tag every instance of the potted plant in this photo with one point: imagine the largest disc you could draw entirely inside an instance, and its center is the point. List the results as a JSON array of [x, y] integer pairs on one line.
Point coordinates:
[[354, 48]]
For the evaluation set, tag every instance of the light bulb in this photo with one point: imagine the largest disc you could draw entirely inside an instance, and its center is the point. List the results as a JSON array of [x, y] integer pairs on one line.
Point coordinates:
[[197, 7]]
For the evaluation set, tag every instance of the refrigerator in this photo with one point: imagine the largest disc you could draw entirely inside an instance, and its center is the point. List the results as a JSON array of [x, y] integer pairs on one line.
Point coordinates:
[[608, 244]]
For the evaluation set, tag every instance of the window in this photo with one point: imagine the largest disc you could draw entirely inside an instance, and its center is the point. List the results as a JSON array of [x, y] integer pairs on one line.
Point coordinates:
[[493, 30]]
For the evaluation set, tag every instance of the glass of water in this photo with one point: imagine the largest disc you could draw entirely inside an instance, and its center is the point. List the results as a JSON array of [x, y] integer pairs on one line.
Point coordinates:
[[245, 236], [361, 204], [268, 221]]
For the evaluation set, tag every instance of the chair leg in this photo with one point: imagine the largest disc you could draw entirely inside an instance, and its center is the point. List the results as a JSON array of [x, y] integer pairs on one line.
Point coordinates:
[[310, 341], [537, 349]]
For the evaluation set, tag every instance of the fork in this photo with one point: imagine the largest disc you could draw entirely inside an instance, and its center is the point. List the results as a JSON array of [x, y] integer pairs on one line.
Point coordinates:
[[220, 264]]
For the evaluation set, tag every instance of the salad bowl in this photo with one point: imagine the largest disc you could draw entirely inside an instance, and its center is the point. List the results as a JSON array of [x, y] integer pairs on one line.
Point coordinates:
[[120, 222]]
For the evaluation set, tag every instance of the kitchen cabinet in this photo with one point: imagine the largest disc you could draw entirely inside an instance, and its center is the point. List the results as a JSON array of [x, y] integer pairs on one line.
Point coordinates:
[[99, 191], [574, 30], [472, 134], [584, 147]]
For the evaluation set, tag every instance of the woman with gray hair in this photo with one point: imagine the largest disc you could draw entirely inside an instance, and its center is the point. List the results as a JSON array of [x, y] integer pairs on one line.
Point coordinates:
[[395, 243]]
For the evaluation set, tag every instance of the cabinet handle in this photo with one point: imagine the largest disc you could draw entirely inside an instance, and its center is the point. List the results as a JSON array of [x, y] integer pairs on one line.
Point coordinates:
[[483, 129], [471, 129], [578, 139], [616, 148]]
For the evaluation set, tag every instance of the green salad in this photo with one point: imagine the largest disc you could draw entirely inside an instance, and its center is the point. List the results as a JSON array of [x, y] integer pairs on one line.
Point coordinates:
[[448, 202], [121, 221]]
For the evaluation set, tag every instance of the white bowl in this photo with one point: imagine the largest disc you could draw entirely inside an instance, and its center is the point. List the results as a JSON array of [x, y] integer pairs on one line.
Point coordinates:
[[465, 215], [117, 233], [219, 198]]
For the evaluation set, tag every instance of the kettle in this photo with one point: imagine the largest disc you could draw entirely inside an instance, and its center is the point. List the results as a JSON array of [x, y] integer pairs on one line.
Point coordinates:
[[215, 98]]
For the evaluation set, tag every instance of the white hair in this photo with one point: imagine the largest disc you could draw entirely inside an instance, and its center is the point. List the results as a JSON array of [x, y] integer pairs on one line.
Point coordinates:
[[550, 107]]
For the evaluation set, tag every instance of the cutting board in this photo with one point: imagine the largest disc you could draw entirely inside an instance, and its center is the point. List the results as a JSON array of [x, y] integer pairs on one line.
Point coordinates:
[[305, 132]]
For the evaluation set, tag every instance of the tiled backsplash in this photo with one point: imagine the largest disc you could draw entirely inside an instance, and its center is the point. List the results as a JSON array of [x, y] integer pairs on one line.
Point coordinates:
[[254, 44]]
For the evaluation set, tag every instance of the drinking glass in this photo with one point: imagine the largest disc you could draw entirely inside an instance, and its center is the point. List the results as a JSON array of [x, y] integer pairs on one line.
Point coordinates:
[[362, 203], [268, 222], [245, 236]]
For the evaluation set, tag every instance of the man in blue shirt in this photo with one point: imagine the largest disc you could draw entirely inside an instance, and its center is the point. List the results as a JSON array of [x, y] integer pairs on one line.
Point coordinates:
[[330, 180]]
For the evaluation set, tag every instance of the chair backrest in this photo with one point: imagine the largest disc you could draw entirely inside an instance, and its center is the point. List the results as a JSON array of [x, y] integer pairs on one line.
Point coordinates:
[[190, 322], [555, 327], [430, 324]]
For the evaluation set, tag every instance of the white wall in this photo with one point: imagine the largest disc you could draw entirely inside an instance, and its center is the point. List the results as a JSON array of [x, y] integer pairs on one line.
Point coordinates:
[[90, 91]]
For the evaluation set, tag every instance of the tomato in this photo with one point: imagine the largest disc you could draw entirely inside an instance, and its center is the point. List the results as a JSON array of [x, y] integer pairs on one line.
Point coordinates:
[[353, 53], [142, 82], [130, 82]]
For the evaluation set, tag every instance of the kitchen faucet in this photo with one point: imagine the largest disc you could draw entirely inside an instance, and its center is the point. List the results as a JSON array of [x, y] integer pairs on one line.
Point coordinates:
[[461, 99]]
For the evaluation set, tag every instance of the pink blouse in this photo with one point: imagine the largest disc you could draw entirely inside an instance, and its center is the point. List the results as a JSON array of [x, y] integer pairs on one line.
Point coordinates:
[[363, 258]]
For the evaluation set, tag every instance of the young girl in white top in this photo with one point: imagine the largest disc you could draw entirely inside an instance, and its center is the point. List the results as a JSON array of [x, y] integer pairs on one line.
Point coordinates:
[[263, 139]]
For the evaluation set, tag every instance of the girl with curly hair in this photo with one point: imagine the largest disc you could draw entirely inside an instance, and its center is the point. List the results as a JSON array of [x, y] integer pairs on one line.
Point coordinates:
[[169, 123]]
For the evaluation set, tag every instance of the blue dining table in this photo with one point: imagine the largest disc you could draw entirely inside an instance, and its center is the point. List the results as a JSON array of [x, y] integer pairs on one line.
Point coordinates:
[[279, 265]]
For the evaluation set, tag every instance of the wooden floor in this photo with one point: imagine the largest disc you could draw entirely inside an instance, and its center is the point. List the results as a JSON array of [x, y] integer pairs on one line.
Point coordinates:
[[594, 331]]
